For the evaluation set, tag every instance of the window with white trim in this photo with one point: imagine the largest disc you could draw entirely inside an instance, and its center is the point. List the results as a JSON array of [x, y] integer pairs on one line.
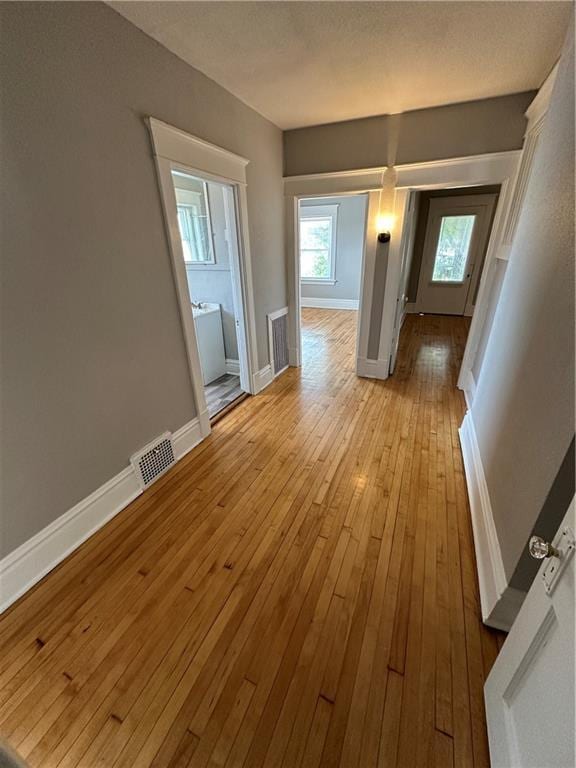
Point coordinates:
[[318, 243], [195, 226]]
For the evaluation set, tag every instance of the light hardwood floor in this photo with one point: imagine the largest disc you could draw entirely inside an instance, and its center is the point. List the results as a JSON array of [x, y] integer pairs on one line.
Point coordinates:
[[299, 591]]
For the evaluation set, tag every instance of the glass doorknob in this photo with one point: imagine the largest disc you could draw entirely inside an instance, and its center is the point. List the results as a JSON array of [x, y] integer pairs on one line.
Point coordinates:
[[539, 548]]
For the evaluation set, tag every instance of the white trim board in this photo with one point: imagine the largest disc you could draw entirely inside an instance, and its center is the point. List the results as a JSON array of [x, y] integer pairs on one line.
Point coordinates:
[[308, 301], [262, 378], [174, 144], [452, 170], [371, 369], [31, 561], [500, 603]]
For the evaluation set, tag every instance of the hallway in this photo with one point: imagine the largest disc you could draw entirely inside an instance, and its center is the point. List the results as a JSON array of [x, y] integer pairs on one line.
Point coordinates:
[[299, 590]]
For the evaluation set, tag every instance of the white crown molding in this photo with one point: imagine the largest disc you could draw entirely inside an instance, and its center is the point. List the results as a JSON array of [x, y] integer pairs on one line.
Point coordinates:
[[178, 146], [378, 171], [366, 179], [473, 170], [349, 174], [334, 183], [31, 561], [500, 603]]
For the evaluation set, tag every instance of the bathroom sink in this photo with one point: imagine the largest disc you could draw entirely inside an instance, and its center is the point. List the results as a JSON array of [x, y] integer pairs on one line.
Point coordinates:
[[210, 339]]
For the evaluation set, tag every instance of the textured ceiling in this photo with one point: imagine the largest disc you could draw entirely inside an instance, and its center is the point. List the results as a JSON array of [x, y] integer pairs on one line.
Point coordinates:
[[305, 63]]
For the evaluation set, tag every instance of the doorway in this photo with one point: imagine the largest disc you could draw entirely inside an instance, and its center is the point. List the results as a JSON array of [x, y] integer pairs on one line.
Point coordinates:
[[179, 155], [452, 234], [208, 234], [331, 235], [456, 240]]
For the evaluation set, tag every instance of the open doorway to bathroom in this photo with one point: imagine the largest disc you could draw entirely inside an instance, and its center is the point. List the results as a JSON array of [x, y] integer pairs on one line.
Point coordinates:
[[331, 245], [208, 233]]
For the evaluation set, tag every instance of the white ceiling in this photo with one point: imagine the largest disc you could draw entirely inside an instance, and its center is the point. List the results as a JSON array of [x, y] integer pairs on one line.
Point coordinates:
[[306, 63]]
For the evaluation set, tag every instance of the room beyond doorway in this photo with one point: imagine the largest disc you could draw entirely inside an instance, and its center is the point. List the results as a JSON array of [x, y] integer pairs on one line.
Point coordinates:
[[328, 343], [208, 233], [452, 232], [331, 244]]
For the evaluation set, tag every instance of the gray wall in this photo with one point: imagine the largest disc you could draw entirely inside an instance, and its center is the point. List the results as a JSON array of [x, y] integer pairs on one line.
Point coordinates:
[[93, 356], [523, 410], [471, 128], [349, 246]]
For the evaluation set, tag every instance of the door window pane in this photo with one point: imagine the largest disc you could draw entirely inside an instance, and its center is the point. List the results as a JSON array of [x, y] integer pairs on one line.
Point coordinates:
[[453, 249]]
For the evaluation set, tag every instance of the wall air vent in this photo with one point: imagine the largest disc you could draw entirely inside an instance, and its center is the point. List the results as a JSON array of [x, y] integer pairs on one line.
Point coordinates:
[[278, 340], [153, 460]]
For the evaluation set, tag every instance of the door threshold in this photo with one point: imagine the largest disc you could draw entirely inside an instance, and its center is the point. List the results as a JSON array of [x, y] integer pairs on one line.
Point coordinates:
[[228, 408]]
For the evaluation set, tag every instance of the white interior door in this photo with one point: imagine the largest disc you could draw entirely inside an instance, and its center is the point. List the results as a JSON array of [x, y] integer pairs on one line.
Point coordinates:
[[454, 246], [530, 691]]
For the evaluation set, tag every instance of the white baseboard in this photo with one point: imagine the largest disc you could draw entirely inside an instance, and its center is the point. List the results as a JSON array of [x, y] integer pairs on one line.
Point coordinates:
[[31, 561], [372, 369], [262, 378], [188, 437], [499, 602], [233, 367], [307, 301]]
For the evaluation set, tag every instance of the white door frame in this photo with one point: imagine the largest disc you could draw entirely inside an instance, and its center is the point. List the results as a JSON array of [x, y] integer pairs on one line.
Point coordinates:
[[477, 170], [175, 150]]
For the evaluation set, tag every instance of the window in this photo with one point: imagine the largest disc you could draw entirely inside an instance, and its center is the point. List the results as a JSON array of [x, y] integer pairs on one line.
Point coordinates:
[[453, 249], [195, 227], [318, 243]]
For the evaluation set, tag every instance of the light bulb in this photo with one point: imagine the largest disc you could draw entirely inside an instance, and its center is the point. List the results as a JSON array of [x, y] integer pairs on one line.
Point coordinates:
[[384, 222]]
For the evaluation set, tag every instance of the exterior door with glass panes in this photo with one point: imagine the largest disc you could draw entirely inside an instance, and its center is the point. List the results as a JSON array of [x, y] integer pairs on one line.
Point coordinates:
[[454, 247]]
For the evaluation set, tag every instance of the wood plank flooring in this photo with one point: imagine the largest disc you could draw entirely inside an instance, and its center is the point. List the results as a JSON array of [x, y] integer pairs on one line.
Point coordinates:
[[300, 590]]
